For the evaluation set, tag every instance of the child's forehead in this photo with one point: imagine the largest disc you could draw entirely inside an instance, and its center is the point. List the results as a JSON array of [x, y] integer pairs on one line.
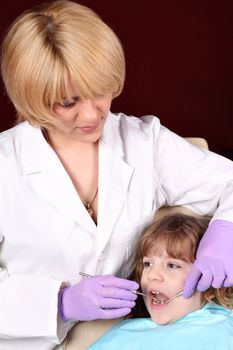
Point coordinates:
[[161, 252], [158, 251], [157, 245]]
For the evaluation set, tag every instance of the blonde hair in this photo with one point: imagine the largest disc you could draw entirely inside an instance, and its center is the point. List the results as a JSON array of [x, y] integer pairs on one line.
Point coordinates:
[[52, 45], [179, 235]]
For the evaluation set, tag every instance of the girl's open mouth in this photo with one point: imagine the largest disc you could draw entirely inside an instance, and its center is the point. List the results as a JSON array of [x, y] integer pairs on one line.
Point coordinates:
[[159, 298]]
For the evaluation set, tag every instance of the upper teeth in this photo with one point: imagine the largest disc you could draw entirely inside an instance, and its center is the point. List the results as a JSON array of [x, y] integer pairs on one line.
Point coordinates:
[[154, 292]]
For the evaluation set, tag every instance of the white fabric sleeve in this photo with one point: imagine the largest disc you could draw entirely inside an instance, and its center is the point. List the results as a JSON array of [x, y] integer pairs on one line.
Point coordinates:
[[28, 306], [193, 177]]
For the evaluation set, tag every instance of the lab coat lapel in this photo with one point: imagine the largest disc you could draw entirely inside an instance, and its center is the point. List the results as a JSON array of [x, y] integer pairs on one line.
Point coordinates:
[[50, 180], [114, 179]]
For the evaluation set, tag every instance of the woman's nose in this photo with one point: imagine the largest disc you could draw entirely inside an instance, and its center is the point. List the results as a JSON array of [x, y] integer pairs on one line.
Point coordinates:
[[87, 110]]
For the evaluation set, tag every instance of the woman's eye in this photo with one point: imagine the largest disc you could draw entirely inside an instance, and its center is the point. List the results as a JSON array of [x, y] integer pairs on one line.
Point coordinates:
[[67, 104], [173, 266]]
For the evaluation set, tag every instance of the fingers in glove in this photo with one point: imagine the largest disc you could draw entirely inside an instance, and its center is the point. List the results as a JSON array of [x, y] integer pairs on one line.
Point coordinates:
[[113, 313], [117, 293], [206, 279], [219, 275], [228, 280], [108, 303], [191, 282], [112, 281]]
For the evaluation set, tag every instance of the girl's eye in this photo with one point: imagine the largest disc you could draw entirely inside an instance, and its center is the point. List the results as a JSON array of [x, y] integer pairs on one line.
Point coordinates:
[[146, 264], [173, 266]]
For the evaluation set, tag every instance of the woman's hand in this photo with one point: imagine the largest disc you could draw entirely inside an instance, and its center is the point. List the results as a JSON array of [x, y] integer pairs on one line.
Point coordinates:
[[214, 261], [98, 297]]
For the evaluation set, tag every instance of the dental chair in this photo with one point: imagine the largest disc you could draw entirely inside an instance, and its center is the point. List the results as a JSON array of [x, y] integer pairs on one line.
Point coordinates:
[[84, 334]]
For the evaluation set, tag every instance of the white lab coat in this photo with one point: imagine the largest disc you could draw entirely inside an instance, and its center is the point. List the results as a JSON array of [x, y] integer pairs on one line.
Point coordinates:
[[48, 236]]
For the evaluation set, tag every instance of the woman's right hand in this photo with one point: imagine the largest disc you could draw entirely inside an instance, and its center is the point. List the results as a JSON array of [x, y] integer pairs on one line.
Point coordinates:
[[98, 297]]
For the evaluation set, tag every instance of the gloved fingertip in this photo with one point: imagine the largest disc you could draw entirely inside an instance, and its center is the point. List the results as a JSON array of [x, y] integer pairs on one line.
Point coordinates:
[[126, 311], [134, 295], [187, 293], [202, 289], [133, 304], [135, 285], [217, 285], [228, 283]]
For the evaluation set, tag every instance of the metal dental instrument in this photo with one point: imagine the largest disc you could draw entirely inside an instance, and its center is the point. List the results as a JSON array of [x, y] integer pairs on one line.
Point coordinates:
[[162, 302], [87, 276]]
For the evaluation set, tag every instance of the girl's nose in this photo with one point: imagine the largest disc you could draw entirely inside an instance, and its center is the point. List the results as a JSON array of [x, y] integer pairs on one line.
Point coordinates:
[[155, 274], [88, 111]]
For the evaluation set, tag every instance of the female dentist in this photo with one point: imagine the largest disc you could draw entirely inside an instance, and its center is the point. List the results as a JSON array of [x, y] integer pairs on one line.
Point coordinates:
[[79, 184]]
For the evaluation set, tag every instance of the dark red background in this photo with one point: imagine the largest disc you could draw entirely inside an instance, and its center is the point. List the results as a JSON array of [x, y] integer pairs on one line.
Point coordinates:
[[179, 57]]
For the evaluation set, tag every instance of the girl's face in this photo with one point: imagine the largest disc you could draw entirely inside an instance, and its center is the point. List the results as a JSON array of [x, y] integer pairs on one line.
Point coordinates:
[[165, 276]]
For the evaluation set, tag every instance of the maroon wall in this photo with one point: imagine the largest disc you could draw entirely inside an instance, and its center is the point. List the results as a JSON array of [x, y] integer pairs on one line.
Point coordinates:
[[179, 57]]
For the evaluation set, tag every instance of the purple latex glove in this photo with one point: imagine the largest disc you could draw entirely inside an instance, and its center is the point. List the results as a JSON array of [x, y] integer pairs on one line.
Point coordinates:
[[214, 260], [98, 297]]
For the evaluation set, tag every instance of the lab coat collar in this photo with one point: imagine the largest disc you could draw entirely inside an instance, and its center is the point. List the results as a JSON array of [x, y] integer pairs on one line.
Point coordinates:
[[50, 180], [33, 142], [32, 147], [112, 134], [114, 179]]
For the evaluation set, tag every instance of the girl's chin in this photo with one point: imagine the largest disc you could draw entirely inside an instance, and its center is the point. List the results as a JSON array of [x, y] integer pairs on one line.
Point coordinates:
[[161, 318], [161, 322]]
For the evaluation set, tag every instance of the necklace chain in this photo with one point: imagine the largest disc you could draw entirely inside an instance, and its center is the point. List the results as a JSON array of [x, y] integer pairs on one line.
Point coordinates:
[[88, 205]]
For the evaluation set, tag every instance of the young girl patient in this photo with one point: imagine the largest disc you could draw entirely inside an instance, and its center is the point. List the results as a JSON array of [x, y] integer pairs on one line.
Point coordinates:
[[165, 255]]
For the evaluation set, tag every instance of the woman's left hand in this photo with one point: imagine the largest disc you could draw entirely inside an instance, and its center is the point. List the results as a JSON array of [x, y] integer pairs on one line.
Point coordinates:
[[214, 260]]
